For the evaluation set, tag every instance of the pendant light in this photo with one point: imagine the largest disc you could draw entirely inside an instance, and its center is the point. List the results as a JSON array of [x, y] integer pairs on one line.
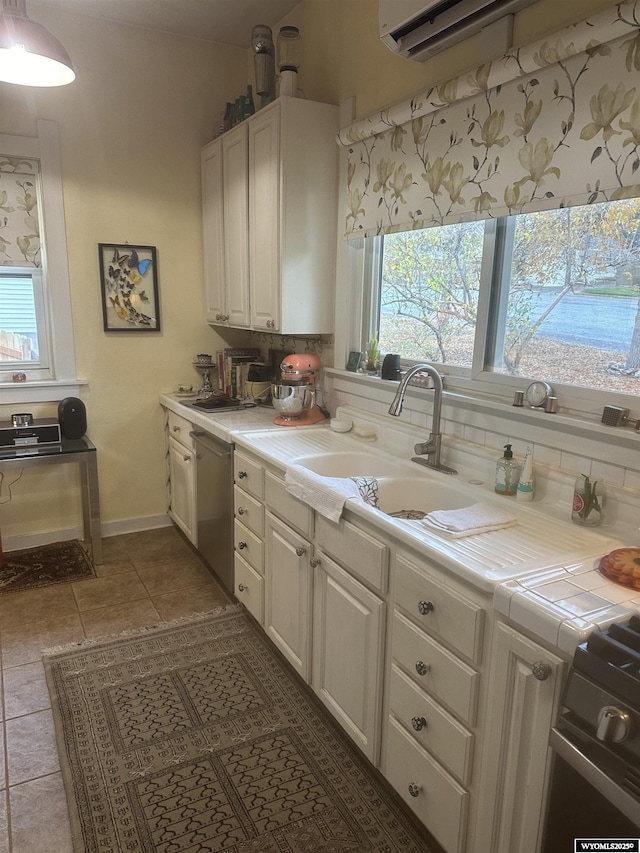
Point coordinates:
[[29, 54]]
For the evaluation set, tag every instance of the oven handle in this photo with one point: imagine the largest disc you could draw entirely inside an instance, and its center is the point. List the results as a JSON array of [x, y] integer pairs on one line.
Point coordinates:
[[592, 774]]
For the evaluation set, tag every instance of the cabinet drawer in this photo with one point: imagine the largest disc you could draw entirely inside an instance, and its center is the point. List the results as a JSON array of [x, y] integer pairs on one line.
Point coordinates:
[[452, 618], [441, 804], [249, 510], [250, 546], [296, 513], [447, 677], [365, 557], [248, 474], [249, 588], [179, 429], [441, 734]]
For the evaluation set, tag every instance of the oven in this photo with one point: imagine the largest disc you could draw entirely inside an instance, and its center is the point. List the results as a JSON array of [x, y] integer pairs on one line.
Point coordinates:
[[595, 780]]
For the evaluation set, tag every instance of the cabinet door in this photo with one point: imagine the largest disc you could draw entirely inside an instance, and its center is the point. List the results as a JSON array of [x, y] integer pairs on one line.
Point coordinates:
[[288, 593], [236, 225], [213, 232], [348, 642], [182, 488], [521, 710], [264, 219]]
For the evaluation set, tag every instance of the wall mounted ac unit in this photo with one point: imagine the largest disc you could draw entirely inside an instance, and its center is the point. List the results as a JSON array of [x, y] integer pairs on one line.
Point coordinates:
[[418, 29]]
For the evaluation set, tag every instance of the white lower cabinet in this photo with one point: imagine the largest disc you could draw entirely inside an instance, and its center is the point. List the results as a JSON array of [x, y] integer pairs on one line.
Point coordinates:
[[348, 652], [288, 593], [181, 462], [524, 697]]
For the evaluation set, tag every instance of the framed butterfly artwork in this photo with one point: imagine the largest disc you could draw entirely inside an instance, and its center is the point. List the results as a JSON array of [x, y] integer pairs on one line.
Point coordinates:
[[129, 283]]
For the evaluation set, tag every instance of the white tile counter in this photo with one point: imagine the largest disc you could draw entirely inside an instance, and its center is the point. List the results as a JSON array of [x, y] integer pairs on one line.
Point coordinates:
[[222, 424]]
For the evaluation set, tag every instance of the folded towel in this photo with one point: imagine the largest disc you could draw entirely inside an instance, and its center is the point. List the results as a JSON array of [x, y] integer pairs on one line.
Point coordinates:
[[327, 495], [469, 521]]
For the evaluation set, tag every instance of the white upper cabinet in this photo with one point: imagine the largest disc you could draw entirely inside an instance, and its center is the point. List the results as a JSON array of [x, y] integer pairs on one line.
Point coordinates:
[[270, 220]]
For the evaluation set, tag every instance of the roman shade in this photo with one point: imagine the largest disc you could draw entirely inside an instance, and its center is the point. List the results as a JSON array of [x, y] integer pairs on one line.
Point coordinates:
[[19, 226], [551, 124]]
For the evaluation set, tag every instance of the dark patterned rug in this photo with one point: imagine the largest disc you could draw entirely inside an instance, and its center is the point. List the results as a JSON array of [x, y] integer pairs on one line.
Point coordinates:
[[196, 737], [59, 562]]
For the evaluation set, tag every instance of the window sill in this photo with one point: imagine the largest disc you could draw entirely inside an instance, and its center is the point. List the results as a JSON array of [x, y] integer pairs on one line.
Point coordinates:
[[382, 391], [40, 391]]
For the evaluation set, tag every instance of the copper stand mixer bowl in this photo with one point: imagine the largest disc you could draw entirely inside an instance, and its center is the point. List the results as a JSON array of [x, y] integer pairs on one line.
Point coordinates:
[[295, 397]]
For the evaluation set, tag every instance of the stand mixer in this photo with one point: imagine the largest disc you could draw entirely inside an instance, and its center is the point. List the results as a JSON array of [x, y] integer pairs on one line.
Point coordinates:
[[295, 397]]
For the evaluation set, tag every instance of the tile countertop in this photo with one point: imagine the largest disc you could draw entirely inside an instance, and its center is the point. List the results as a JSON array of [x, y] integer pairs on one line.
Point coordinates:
[[542, 573]]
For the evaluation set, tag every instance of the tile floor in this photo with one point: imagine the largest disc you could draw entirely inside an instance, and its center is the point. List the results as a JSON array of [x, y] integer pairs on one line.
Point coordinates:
[[145, 578]]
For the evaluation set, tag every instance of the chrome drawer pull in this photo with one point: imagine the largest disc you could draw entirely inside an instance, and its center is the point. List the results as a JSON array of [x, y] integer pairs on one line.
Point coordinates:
[[300, 551], [414, 789], [422, 668], [425, 607], [241, 510], [242, 546], [418, 723], [541, 670], [242, 475], [241, 587]]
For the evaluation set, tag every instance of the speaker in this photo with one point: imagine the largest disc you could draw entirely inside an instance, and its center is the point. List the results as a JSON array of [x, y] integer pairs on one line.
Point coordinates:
[[73, 417]]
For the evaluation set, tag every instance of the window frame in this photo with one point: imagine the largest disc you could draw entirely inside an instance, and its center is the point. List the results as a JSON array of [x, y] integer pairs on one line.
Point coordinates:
[[477, 381], [59, 377]]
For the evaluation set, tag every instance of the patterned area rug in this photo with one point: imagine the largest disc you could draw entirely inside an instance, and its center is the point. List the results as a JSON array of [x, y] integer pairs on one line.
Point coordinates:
[[59, 562], [196, 737]]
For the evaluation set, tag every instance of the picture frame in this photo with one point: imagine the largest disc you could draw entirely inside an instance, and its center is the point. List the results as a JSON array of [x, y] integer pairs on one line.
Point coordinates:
[[129, 287], [354, 361]]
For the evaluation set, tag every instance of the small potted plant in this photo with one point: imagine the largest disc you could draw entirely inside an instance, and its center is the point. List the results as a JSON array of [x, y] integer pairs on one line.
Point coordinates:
[[372, 355]]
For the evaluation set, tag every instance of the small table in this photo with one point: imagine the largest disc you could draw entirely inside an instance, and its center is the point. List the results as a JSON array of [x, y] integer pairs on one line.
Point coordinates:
[[79, 451]]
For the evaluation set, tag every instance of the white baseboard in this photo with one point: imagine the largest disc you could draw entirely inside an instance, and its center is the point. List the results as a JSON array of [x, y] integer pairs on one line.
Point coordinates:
[[109, 528]]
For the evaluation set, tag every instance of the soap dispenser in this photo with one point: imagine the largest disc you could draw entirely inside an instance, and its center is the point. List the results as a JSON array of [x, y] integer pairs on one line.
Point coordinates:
[[507, 473]]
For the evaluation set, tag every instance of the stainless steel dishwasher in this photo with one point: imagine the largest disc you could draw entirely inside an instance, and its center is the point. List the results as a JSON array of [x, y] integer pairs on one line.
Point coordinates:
[[214, 504]]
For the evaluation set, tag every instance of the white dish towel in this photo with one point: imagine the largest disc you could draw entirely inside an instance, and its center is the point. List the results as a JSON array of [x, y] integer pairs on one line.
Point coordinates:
[[469, 521], [327, 495]]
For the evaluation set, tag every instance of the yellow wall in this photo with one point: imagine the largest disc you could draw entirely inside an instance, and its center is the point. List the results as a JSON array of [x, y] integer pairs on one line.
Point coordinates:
[[131, 128]]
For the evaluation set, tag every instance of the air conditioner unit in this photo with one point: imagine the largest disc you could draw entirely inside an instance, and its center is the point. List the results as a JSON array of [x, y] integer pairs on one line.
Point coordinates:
[[418, 29]]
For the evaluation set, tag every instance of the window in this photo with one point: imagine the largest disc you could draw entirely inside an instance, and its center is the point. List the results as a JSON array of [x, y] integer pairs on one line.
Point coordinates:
[[36, 332], [552, 295]]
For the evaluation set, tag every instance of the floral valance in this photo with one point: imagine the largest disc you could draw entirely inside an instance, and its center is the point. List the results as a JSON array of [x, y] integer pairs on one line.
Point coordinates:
[[551, 124], [19, 227]]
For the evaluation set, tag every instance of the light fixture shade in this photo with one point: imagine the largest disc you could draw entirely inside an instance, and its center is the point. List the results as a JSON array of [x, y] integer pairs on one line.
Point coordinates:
[[29, 54]]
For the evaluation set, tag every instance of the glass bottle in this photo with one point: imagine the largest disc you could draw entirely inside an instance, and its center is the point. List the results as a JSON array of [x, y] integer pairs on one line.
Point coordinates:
[[249, 106], [507, 473], [588, 501]]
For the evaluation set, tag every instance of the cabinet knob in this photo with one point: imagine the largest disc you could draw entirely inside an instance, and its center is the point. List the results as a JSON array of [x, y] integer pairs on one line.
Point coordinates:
[[241, 510], [270, 324], [241, 587], [425, 607], [418, 723], [422, 668], [242, 546], [541, 670], [242, 475], [300, 551], [176, 429], [315, 563], [186, 458], [414, 789]]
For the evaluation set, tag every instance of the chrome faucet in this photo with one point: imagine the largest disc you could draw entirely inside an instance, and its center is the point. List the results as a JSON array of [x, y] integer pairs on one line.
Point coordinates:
[[432, 446]]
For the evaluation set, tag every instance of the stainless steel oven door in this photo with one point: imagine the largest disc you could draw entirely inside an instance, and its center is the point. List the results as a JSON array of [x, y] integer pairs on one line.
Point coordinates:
[[587, 797]]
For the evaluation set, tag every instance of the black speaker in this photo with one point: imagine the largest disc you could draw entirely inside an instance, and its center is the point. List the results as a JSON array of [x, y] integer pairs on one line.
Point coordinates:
[[73, 417]]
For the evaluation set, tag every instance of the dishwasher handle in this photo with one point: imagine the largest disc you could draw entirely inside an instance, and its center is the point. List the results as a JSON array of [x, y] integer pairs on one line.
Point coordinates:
[[214, 445]]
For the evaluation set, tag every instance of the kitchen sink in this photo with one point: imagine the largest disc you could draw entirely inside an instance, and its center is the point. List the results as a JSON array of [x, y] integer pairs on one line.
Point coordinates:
[[414, 497], [345, 464]]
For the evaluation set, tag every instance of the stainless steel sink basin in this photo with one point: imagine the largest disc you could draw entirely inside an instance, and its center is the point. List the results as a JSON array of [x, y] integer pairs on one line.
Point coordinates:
[[345, 464]]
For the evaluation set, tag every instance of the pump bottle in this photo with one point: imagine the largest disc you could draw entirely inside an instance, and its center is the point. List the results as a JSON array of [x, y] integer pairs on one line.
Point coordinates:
[[507, 473]]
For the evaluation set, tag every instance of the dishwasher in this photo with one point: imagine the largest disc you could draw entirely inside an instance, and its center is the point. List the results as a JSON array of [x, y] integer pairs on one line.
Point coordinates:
[[214, 504]]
